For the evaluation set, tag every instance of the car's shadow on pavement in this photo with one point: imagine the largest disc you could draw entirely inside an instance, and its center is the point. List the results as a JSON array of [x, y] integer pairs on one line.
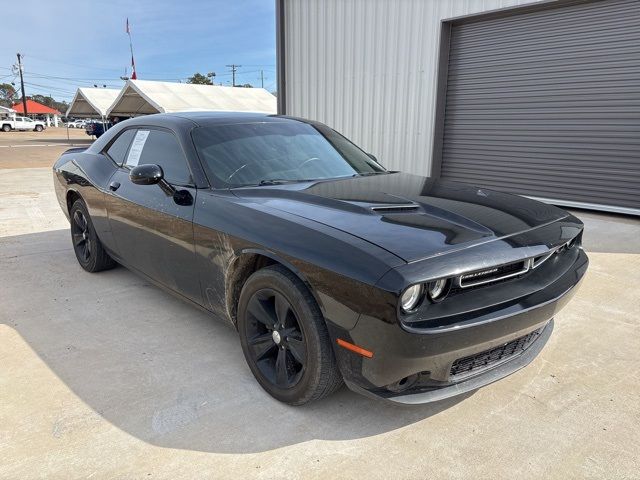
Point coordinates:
[[158, 368]]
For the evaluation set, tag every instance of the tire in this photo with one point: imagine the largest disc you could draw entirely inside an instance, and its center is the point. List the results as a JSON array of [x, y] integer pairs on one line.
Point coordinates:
[[309, 364], [6, 128], [38, 128], [89, 251]]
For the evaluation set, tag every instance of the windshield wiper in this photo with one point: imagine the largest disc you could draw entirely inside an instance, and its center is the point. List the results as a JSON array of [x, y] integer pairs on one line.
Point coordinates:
[[279, 181], [367, 174]]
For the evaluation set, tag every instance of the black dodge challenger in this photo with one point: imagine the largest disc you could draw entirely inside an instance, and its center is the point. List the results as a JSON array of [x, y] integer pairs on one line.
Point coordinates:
[[330, 267]]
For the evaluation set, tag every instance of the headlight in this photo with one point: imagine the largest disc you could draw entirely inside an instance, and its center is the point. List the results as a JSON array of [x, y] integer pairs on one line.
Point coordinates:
[[411, 297], [437, 290]]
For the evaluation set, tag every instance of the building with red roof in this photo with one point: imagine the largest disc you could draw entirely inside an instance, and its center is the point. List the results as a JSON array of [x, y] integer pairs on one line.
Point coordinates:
[[35, 108]]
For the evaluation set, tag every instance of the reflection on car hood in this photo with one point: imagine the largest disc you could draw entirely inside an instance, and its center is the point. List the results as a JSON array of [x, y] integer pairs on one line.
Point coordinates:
[[412, 217]]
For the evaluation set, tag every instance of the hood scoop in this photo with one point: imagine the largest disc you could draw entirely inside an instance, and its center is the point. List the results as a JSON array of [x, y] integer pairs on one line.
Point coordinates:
[[395, 208]]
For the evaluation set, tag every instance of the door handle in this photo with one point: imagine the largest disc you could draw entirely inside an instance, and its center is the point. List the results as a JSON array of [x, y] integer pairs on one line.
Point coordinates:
[[113, 186]]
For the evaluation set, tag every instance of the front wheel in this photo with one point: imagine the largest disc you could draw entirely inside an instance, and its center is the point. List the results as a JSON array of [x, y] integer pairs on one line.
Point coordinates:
[[39, 128], [284, 338], [89, 251]]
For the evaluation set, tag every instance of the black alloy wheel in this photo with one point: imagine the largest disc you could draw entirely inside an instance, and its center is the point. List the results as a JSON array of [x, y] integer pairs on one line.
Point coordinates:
[[284, 337], [275, 338], [89, 251], [80, 236]]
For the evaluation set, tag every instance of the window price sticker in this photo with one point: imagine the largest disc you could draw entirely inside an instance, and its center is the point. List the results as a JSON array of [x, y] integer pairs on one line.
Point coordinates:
[[136, 147]]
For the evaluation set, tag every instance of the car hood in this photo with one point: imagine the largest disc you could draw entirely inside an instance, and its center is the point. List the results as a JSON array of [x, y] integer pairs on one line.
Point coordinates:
[[410, 216]]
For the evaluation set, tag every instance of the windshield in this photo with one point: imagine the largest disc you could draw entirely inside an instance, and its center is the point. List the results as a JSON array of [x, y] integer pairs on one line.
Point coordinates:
[[270, 152]]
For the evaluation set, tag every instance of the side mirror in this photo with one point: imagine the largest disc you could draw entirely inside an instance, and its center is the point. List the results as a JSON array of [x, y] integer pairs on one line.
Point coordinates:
[[146, 174]]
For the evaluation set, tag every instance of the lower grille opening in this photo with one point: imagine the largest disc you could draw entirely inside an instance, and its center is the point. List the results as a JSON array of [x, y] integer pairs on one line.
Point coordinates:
[[479, 362]]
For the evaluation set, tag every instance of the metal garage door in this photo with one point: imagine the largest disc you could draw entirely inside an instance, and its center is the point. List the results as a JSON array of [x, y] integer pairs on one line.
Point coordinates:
[[546, 103]]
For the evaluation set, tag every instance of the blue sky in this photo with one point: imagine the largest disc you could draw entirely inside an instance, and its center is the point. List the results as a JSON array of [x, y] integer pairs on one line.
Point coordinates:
[[69, 44]]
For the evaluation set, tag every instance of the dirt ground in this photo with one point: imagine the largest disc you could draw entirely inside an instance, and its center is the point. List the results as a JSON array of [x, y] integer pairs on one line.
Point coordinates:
[[105, 376]]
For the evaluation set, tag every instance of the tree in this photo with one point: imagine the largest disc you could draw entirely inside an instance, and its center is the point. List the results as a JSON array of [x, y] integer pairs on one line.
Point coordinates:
[[246, 85], [50, 102], [7, 94], [43, 99], [199, 79]]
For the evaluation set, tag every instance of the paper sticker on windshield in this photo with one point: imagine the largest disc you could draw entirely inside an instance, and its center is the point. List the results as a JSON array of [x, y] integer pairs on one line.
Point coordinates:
[[136, 147]]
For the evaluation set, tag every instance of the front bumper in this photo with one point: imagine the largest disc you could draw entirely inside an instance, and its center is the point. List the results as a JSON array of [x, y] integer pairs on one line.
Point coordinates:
[[411, 366], [418, 394]]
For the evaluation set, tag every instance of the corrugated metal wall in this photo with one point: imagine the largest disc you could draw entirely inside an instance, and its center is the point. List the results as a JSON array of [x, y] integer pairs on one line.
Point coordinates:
[[368, 69]]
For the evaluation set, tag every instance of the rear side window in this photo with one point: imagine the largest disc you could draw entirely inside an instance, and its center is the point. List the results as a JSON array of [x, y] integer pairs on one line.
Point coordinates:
[[160, 148], [118, 149]]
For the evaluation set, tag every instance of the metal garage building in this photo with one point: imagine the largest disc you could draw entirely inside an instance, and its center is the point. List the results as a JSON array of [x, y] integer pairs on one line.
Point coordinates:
[[536, 98]]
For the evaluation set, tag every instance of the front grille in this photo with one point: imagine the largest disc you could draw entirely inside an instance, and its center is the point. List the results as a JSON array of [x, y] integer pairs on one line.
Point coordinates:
[[490, 275], [540, 259], [479, 362], [508, 271]]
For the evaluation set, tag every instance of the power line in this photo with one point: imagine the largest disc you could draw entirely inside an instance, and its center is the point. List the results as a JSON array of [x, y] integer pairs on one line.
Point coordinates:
[[89, 67], [49, 88], [154, 76]]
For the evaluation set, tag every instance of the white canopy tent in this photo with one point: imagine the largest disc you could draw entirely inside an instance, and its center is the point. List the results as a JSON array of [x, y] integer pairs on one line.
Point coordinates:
[[142, 97], [6, 111], [92, 102]]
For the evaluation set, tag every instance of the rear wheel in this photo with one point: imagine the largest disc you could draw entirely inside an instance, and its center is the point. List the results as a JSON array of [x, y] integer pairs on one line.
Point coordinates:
[[6, 128], [86, 244], [284, 338]]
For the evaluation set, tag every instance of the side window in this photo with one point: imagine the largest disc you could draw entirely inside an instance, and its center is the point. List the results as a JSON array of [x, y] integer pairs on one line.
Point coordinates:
[[118, 149], [160, 148]]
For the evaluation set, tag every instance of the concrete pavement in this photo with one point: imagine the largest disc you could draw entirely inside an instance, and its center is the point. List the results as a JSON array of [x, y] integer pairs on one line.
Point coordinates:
[[106, 376]]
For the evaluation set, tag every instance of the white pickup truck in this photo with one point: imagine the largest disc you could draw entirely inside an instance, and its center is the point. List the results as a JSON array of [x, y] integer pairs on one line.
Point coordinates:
[[21, 123]]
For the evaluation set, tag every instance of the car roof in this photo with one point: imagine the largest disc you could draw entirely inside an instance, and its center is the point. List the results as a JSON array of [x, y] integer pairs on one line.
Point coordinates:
[[203, 119], [183, 122]]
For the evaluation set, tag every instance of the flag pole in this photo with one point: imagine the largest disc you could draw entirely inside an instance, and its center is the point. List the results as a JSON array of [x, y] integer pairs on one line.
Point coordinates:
[[134, 76]]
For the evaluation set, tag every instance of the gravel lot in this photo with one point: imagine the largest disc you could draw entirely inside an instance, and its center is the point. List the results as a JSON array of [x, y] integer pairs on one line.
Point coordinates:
[[105, 376]]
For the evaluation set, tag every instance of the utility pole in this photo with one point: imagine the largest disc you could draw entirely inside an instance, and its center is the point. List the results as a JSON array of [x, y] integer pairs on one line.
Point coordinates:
[[233, 68], [24, 98], [262, 78]]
